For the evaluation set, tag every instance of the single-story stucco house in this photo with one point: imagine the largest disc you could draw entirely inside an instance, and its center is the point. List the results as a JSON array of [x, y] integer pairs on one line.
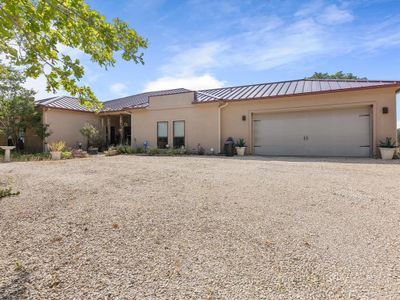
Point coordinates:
[[300, 117]]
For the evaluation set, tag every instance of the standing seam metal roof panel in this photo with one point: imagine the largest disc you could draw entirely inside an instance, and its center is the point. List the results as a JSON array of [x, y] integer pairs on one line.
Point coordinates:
[[255, 91]]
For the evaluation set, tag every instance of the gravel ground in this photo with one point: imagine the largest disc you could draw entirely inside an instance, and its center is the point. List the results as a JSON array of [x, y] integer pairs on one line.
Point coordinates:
[[134, 227]]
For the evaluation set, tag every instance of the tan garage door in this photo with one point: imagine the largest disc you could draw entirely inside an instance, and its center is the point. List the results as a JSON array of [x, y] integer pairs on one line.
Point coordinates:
[[344, 132]]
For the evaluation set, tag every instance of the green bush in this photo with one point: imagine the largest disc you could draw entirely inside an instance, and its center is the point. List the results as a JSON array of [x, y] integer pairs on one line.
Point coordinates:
[[7, 193], [140, 150], [175, 152], [66, 155], [124, 149], [153, 151]]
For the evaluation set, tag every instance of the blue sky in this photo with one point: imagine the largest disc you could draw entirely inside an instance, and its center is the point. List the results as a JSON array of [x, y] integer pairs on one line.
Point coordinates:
[[204, 44]]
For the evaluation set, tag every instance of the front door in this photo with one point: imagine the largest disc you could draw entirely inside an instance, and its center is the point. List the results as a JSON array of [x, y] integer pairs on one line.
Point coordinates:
[[112, 136]]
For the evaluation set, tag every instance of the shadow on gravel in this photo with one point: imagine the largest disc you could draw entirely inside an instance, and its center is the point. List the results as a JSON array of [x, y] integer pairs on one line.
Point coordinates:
[[15, 289]]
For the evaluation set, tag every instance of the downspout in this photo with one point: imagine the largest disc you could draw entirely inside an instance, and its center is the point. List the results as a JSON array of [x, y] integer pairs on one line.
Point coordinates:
[[133, 139], [220, 107], [44, 122]]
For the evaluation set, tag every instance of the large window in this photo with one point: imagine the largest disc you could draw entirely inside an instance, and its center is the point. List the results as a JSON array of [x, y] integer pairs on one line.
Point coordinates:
[[179, 134], [162, 134]]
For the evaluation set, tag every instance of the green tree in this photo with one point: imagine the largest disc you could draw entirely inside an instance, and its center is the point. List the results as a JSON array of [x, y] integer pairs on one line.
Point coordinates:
[[90, 132], [17, 107], [337, 75], [32, 31]]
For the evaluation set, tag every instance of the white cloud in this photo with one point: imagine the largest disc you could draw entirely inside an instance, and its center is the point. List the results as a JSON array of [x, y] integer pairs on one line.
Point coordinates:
[[119, 89], [310, 9], [333, 15], [268, 44], [193, 82], [386, 34], [291, 43], [325, 14], [186, 62]]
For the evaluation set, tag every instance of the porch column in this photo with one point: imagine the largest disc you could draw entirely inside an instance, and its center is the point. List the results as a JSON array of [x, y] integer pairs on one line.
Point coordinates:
[[108, 135], [120, 129]]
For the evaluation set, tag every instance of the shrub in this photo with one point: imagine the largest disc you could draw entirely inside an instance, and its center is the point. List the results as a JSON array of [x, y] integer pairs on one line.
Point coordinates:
[[200, 150], [66, 155], [153, 151], [179, 151], [140, 150], [57, 146], [125, 149], [7, 193], [90, 132]]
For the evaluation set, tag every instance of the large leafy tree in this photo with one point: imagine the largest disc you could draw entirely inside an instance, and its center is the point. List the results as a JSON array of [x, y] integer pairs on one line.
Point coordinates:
[[32, 31], [17, 107], [337, 75]]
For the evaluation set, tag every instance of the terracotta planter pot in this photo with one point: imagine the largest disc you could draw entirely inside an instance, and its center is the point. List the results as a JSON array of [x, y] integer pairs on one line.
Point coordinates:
[[240, 151], [55, 155], [387, 153]]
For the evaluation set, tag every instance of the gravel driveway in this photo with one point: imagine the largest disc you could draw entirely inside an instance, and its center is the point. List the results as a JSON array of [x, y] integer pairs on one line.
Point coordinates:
[[134, 227]]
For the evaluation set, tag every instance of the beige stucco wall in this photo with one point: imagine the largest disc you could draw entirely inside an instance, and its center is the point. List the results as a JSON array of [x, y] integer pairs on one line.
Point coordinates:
[[65, 125], [201, 121], [384, 125]]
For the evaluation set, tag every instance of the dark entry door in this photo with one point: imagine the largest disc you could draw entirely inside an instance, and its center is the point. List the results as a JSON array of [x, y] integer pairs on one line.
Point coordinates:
[[112, 135], [127, 135]]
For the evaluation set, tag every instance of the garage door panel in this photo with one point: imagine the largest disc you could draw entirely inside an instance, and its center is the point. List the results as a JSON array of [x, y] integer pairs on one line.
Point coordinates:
[[328, 133], [274, 131]]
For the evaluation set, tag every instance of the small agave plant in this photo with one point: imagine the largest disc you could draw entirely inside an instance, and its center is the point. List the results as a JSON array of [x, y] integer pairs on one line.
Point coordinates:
[[387, 148], [240, 147]]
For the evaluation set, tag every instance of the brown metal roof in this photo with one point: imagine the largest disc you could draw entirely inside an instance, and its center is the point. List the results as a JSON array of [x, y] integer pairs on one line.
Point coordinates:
[[236, 93], [134, 101], [287, 88], [63, 102]]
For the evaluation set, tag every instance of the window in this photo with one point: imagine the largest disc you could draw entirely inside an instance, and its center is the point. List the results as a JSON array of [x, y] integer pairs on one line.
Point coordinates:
[[179, 134], [162, 134]]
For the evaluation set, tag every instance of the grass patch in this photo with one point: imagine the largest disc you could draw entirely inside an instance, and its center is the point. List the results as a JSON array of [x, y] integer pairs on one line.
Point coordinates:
[[7, 193], [16, 156]]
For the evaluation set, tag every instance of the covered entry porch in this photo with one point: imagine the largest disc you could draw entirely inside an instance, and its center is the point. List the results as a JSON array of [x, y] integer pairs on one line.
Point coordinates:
[[116, 128]]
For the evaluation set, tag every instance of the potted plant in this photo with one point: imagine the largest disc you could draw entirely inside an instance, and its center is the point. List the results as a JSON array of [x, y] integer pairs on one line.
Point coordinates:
[[387, 148], [90, 132], [240, 147], [55, 149]]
